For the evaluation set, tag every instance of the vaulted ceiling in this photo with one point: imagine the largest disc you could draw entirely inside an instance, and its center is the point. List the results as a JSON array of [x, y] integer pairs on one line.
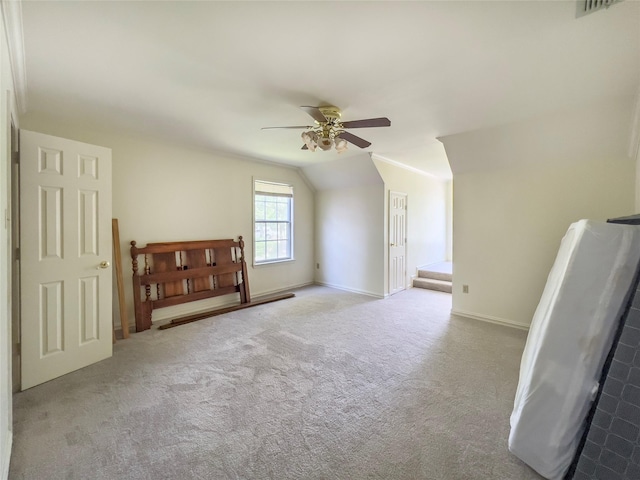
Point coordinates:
[[211, 74]]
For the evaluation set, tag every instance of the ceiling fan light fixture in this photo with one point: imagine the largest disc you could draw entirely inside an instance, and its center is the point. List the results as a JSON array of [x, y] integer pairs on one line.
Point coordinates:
[[325, 143], [329, 130], [340, 144], [310, 139]]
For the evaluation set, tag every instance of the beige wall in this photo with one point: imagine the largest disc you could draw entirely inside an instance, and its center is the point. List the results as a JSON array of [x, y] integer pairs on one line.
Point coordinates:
[[349, 246], [508, 225], [352, 221], [516, 190], [427, 220], [164, 192], [349, 224]]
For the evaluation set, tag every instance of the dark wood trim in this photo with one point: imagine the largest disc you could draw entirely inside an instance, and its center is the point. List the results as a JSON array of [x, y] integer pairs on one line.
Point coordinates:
[[192, 297], [163, 277], [173, 273], [212, 313]]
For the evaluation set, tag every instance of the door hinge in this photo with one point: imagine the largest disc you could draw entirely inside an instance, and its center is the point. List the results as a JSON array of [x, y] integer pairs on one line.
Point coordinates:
[[18, 348], [17, 257]]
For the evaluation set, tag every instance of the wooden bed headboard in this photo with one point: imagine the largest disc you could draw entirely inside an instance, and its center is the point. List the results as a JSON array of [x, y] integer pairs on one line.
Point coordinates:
[[179, 272]]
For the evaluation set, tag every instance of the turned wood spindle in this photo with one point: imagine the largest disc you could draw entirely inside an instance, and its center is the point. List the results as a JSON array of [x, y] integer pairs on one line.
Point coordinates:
[[134, 257], [147, 271]]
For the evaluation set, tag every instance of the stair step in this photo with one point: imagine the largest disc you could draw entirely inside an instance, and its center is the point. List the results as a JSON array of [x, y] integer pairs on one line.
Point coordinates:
[[435, 275], [433, 284]]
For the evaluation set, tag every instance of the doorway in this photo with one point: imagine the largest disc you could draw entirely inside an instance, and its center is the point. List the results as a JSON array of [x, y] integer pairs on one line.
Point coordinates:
[[15, 258], [397, 242], [65, 255]]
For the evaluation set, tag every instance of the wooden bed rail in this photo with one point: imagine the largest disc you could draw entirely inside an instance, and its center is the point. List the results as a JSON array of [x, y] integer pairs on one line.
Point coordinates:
[[178, 272]]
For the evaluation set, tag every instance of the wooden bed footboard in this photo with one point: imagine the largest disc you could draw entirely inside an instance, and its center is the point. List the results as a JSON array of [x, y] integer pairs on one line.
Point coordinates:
[[179, 272]]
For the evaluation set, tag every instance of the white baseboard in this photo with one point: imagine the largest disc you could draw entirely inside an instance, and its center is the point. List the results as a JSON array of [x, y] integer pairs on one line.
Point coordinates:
[[6, 455], [352, 290], [490, 319], [281, 290]]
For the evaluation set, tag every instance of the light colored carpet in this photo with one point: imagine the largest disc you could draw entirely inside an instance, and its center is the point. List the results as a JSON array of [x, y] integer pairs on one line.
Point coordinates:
[[327, 385]]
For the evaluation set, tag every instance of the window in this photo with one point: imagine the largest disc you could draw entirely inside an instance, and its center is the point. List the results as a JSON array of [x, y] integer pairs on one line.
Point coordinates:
[[273, 222]]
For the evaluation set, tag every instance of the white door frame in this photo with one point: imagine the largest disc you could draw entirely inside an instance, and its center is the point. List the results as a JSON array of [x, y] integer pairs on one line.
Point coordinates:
[[15, 256], [397, 242]]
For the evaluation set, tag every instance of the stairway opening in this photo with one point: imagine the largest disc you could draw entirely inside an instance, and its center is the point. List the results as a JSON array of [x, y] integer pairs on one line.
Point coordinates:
[[437, 276]]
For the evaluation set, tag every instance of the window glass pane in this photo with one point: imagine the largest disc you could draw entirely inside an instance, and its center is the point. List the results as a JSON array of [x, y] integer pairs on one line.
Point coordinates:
[[272, 231], [270, 210], [283, 249], [283, 211], [260, 210], [283, 231], [272, 249], [260, 232], [260, 252]]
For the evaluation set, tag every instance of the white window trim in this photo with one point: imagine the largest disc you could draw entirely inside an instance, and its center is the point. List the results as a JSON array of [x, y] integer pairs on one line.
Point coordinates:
[[253, 230]]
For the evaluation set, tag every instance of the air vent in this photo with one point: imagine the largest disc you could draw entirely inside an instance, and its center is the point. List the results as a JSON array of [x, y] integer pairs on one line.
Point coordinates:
[[585, 7]]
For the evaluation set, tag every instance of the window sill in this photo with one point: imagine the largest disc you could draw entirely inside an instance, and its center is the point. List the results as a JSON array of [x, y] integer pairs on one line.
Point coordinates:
[[273, 262]]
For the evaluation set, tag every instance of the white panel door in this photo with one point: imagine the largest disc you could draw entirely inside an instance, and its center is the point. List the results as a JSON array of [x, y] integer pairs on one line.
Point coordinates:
[[397, 241], [65, 211]]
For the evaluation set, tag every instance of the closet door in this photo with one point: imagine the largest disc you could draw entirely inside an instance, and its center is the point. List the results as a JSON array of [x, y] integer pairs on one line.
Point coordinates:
[[397, 242]]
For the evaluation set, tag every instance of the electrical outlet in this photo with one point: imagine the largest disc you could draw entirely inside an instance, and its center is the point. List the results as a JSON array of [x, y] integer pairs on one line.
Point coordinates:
[[465, 288]]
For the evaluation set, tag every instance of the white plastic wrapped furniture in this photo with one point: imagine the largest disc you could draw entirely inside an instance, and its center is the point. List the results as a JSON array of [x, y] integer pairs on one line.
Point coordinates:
[[570, 336]]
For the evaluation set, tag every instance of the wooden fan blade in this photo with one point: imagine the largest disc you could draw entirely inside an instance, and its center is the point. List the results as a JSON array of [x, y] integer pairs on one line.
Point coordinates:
[[351, 138], [369, 122], [315, 113], [297, 126]]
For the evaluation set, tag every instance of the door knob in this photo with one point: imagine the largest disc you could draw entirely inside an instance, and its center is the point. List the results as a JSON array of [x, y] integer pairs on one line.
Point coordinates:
[[393, 244], [104, 264]]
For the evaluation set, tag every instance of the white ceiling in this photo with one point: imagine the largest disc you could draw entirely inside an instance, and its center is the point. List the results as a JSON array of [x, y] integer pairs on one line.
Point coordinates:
[[211, 74]]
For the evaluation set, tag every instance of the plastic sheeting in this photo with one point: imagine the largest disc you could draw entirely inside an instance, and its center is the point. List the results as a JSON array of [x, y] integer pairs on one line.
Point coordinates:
[[571, 334]]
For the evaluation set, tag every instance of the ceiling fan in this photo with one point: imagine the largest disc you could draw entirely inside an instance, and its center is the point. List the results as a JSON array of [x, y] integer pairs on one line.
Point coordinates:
[[330, 131]]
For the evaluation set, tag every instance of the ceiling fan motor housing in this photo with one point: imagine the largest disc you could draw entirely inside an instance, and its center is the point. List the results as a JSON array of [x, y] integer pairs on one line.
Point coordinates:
[[331, 113], [332, 127]]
